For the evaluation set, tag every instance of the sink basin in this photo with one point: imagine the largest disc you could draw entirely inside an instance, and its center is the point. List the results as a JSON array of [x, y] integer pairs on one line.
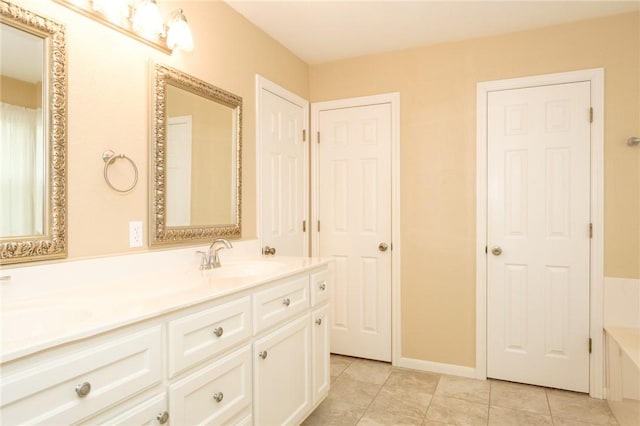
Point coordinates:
[[28, 323], [246, 269]]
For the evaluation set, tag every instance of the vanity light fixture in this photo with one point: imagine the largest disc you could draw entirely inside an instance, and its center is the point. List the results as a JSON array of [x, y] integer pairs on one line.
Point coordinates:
[[147, 20], [116, 11], [139, 19], [178, 32]]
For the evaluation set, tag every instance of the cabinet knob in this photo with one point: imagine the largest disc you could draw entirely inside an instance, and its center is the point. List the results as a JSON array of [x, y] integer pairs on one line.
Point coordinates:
[[163, 417], [263, 354], [319, 321], [218, 396], [83, 389], [286, 302], [218, 331], [323, 286]]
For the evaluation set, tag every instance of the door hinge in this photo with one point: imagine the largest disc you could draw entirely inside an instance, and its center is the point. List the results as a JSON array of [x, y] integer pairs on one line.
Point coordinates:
[[318, 226], [304, 135], [590, 344], [318, 137], [591, 115], [591, 230], [304, 226]]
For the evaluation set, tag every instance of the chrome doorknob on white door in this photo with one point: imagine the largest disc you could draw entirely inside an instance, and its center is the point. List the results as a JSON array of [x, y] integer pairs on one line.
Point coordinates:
[[383, 246], [496, 250], [268, 251]]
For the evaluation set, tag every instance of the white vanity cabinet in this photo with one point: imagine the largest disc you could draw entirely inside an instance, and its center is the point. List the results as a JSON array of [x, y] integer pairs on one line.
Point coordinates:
[[258, 355]]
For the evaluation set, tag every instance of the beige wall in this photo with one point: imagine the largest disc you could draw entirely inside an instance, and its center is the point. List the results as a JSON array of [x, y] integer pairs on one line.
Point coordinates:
[[109, 109], [20, 93], [437, 85], [211, 171]]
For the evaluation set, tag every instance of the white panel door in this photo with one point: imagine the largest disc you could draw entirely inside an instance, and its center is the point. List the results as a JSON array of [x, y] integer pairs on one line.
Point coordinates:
[[179, 138], [538, 235], [283, 177], [355, 226]]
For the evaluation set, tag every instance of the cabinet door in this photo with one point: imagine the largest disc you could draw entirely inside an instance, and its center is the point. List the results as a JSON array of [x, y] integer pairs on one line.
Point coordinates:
[[320, 341], [282, 379]]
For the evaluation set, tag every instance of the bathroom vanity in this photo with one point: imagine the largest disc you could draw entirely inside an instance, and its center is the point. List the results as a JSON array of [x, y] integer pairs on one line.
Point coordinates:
[[247, 343]]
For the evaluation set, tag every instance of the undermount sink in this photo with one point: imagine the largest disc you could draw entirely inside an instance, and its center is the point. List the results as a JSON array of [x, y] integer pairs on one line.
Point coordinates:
[[245, 269], [26, 323]]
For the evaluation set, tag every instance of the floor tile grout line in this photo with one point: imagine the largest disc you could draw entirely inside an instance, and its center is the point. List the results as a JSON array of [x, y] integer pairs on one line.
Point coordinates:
[[373, 399]]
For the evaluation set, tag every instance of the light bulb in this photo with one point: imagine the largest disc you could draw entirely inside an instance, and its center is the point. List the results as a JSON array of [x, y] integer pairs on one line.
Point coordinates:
[[114, 10], [178, 33], [147, 20]]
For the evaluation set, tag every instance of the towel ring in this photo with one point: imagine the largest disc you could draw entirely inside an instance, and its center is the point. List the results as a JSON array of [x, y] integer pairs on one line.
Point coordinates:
[[109, 158]]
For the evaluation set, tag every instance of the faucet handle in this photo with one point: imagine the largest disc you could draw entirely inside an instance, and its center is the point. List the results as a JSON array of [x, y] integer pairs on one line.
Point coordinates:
[[204, 261]]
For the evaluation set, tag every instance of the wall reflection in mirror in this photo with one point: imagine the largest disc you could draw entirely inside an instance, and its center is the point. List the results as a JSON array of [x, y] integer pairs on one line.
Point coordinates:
[[196, 159], [33, 115], [22, 145], [200, 155]]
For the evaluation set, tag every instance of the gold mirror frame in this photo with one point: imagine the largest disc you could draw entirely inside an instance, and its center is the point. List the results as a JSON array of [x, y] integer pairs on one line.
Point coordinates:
[[53, 244], [159, 232]]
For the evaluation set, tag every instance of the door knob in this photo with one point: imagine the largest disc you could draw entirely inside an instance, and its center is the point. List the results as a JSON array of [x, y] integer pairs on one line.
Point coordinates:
[[383, 246], [496, 250], [269, 250]]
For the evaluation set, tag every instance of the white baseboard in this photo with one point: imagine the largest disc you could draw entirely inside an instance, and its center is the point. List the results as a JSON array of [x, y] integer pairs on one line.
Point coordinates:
[[436, 367]]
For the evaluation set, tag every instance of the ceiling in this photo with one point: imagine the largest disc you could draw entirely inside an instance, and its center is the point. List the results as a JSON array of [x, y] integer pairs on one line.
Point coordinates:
[[320, 31]]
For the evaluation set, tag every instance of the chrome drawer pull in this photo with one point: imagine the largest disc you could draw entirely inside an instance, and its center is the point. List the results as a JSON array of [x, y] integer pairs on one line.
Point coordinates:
[[263, 354], [163, 417], [218, 396], [218, 331], [319, 321], [286, 302], [83, 389], [323, 286]]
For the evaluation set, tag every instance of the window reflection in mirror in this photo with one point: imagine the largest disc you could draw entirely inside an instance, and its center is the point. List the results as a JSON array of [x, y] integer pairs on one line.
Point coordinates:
[[22, 137], [201, 179]]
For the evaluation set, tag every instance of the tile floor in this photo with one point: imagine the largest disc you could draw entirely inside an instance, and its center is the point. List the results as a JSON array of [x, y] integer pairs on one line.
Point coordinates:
[[365, 392]]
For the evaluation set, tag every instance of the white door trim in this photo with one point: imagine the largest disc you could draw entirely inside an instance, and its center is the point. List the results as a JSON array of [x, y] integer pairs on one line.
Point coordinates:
[[264, 84], [394, 100], [596, 77]]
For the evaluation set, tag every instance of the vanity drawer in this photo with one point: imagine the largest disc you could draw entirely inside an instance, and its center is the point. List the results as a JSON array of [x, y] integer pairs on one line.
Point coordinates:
[[319, 286], [280, 302], [199, 336], [150, 412], [215, 395], [49, 393]]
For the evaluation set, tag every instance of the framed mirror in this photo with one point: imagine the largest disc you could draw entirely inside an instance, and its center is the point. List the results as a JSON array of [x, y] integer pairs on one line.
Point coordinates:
[[195, 164], [33, 136]]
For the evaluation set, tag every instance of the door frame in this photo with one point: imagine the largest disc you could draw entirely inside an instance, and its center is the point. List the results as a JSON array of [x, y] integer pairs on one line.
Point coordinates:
[[394, 100], [596, 77], [264, 84]]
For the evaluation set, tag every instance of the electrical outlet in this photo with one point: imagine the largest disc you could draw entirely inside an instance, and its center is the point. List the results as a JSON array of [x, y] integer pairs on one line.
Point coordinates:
[[135, 234]]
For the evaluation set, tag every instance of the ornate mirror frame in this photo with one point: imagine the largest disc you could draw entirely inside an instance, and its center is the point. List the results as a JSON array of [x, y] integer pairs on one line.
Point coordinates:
[[53, 243], [159, 233]]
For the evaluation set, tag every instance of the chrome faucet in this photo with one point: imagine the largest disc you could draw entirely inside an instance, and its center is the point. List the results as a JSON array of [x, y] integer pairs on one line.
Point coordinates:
[[212, 260]]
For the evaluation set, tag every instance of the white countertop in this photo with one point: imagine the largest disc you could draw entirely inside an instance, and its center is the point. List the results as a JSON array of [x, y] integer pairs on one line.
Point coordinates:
[[87, 304], [628, 340]]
